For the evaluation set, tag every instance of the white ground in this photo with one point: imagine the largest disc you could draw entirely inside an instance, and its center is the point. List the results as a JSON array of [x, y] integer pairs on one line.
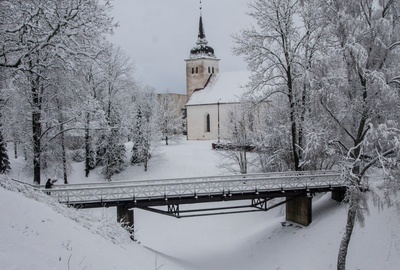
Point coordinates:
[[37, 233]]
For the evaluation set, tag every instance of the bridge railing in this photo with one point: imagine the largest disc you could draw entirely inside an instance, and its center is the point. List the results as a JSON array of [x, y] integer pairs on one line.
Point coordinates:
[[198, 179], [173, 188]]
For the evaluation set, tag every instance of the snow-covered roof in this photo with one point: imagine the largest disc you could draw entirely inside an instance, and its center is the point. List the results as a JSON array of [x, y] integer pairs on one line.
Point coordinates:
[[225, 87]]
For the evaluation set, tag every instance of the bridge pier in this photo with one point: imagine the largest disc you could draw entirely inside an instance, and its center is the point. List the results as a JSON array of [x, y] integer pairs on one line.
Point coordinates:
[[338, 195], [125, 216], [298, 209]]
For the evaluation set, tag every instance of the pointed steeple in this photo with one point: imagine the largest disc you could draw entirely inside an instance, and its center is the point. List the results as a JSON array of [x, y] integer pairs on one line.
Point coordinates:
[[202, 35], [202, 50]]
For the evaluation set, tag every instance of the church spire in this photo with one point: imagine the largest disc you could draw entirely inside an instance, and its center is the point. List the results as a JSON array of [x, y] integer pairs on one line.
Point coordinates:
[[202, 50], [202, 35]]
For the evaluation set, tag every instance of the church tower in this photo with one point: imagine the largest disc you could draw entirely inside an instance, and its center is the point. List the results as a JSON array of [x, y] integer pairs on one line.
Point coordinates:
[[202, 63]]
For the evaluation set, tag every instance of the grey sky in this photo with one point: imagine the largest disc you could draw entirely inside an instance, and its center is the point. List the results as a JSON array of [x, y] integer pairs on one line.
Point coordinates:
[[158, 36]]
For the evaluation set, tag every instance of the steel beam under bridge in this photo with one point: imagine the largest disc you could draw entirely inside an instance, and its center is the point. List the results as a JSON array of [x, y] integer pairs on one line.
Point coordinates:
[[146, 194]]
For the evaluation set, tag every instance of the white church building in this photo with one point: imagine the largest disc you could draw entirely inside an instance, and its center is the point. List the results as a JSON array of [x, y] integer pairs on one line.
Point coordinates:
[[210, 93]]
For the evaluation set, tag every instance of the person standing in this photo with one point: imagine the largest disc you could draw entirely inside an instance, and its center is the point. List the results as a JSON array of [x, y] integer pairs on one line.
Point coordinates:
[[49, 185]]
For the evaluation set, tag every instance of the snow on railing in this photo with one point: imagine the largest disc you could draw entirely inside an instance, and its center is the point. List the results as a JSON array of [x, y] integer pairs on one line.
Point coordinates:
[[198, 179], [172, 188]]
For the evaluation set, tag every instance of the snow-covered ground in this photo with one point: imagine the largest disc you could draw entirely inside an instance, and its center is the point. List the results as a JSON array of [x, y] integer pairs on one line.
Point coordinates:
[[37, 233]]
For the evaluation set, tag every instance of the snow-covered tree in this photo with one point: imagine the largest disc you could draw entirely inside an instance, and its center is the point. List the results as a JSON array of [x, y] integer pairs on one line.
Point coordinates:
[[235, 148], [145, 130], [335, 62], [4, 159], [37, 36], [359, 96], [89, 81], [280, 52], [171, 117], [116, 84]]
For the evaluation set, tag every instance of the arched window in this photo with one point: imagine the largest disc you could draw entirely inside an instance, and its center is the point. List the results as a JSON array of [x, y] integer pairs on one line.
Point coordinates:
[[213, 70], [209, 70], [197, 69], [192, 70], [208, 123]]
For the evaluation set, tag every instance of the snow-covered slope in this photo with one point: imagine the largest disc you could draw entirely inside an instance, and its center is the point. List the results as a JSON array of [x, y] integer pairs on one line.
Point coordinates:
[[39, 234]]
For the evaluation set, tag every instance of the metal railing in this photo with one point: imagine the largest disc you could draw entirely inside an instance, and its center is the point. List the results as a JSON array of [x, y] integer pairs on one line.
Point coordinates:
[[192, 187]]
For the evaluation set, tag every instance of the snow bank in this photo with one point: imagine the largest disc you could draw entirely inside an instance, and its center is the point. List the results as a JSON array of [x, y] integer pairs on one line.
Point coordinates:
[[38, 233]]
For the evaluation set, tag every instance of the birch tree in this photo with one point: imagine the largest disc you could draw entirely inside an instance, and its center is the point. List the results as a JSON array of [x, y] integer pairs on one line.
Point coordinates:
[[360, 97]]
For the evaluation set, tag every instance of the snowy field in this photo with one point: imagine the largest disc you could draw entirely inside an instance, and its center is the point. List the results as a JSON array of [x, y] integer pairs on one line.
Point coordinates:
[[37, 233]]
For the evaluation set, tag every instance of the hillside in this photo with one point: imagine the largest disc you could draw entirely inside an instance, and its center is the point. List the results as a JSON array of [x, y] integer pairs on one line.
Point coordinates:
[[37, 233]]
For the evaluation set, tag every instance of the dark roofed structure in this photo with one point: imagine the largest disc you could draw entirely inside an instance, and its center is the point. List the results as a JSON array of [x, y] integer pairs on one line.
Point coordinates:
[[202, 50]]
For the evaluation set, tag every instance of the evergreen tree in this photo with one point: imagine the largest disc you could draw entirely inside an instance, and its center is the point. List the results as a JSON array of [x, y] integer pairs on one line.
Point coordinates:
[[4, 160], [145, 131], [112, 155]]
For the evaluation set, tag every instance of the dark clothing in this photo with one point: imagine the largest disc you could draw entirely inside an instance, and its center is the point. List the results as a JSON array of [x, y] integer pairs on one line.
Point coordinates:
[[48, 185]]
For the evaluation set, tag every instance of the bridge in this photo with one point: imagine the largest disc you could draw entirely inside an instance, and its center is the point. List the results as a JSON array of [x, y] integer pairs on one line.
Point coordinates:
[[295, 189]]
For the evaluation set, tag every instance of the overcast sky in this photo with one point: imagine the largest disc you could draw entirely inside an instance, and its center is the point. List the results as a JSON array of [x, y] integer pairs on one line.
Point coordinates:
[[159, 34]]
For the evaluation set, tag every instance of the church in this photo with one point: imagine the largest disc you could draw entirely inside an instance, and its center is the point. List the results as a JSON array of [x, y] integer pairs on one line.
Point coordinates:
[[210, 93]]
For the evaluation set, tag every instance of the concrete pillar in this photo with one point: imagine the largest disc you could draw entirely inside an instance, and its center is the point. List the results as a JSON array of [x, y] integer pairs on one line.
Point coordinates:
[[338, 195], [125, 216], [298, 209]]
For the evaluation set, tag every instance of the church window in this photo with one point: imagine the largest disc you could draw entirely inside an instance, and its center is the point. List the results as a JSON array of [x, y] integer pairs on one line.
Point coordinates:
[[213, 70], [209, 70], [197, 69], [192, 70], [208, 123]]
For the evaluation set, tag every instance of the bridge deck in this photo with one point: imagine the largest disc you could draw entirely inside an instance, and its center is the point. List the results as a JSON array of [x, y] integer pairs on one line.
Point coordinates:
[[192, 190]]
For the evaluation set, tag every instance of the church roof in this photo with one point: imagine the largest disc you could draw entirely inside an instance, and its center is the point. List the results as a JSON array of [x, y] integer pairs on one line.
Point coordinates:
[[201, 50], [225, 87]]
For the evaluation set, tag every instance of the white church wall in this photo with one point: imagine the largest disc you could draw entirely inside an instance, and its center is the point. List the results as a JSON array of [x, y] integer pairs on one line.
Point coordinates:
[[197, 121]]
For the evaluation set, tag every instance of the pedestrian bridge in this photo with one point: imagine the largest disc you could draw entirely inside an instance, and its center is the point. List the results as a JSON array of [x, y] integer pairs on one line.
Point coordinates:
[[296, 189]]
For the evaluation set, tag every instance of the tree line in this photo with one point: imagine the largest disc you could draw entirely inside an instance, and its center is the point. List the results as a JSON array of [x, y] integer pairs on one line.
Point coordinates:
[[67, 93]]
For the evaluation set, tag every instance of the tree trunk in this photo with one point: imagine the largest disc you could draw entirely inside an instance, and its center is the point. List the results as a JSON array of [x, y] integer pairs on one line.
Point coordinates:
[[1, 141], [36, 130], [344, 244], [87, 146], [64, 156], [15, 149], [1, 151], [296, 158], [36, 102]]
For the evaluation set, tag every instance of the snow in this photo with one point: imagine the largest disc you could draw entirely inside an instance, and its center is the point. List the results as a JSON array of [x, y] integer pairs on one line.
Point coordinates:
[[227, 87], [37, 233]]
